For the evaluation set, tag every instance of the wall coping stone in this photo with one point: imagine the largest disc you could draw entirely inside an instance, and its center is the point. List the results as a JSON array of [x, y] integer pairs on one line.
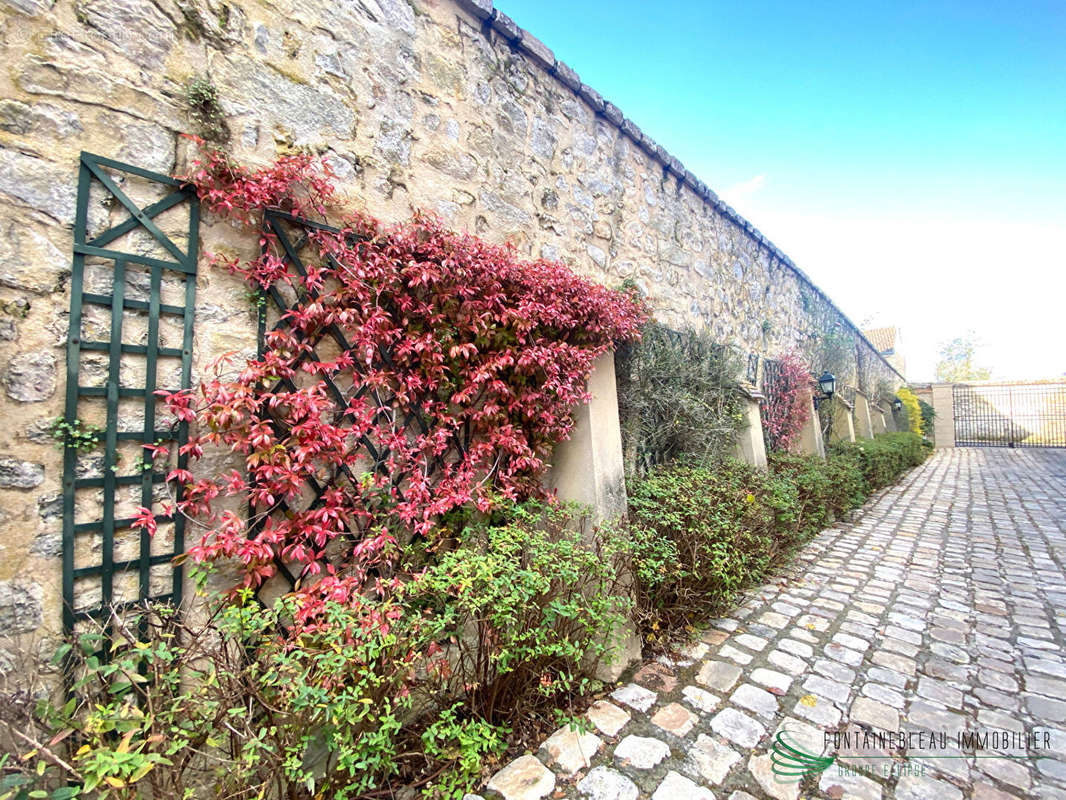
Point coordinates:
[[536, 49], [593, 98], [542, 55], [750, 391], [482, 9], [506, 26]]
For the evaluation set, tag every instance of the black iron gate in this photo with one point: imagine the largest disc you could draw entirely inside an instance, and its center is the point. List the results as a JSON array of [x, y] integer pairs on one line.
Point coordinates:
[[1010, 415]]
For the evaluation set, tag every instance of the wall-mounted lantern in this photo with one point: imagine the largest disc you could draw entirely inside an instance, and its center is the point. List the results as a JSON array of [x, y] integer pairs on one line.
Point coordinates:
[[897, 405], [827, 384]]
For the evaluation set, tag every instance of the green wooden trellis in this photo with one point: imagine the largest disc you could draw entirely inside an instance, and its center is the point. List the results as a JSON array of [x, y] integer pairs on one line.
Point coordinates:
[[119, 247]]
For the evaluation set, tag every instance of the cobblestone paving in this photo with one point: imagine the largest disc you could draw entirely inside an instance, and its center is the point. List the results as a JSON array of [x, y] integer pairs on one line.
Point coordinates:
[[941, 608]]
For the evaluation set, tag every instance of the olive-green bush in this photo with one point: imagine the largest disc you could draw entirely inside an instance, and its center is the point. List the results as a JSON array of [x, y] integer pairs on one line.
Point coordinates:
[[699, 533], [885, 457]]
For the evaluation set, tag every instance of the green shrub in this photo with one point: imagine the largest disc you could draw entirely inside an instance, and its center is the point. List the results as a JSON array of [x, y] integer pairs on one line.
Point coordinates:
[[911, 409], [504, 628], [677, 397], [496, 633], [849, 486], [523, 611], [464, 743], [231, 708], [826, 488], [700, 533], [885, 457], [928, 417]]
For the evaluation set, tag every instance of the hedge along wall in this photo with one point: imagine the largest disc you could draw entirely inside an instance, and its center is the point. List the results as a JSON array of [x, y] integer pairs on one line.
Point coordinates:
[[433, 104]]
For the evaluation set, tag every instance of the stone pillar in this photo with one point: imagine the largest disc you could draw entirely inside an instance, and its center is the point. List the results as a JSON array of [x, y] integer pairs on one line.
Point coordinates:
[[751, 447], [810, 439], [864, 428], [944, 422], [588, 468], [843, 428], [877, 417]]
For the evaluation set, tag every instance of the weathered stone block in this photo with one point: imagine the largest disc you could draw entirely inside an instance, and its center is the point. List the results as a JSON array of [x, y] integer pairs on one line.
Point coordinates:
[[630, 129], [711, 759], [608, 717], [525, 778], [505, 26], [676, 786], [603, 783], [613, 113], [20, 607], [137, 28], [570, 750], [641, 752], [592, 97], [16, 474], [482, 9], [538, 52], [38, 184], [31, 377], [566, 76], [29, 260]]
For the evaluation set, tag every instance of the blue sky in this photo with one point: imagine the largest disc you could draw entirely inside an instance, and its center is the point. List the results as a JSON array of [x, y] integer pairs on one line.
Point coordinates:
[[909, 156]]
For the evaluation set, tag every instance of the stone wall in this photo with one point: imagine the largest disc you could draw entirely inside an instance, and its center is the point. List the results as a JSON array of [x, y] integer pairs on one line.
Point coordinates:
[[422, 104]]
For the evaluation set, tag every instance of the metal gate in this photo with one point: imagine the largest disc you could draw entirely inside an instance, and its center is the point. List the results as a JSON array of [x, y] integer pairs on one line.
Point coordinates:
[[1010, 415]]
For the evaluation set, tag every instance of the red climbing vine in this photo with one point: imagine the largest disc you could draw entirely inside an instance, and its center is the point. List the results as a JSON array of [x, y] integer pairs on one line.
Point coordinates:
[[786, 407], [416, 371]]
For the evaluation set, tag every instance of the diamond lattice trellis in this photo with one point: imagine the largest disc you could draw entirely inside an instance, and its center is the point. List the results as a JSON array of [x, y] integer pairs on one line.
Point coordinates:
[[292, 238]]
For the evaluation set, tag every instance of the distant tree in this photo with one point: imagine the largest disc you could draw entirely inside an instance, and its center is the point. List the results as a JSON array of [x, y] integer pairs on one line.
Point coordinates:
[[956, 362]]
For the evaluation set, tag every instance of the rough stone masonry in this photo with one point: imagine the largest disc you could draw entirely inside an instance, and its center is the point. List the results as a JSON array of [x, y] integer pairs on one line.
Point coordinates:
[[428, 104]]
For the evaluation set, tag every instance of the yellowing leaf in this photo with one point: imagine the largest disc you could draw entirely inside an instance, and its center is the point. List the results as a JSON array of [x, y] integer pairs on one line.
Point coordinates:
[[809, 700], [140, 773], [124, 745]]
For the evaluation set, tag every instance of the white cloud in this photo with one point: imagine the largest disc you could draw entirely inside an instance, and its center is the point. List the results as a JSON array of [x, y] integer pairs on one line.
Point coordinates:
[[739, 195]]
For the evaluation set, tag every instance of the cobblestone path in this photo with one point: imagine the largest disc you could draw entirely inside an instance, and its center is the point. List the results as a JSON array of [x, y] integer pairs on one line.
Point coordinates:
[[940, 609]]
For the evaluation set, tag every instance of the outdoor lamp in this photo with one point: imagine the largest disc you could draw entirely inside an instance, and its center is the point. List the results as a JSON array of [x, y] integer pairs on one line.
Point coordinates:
[[827, 383], [897, 404]]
